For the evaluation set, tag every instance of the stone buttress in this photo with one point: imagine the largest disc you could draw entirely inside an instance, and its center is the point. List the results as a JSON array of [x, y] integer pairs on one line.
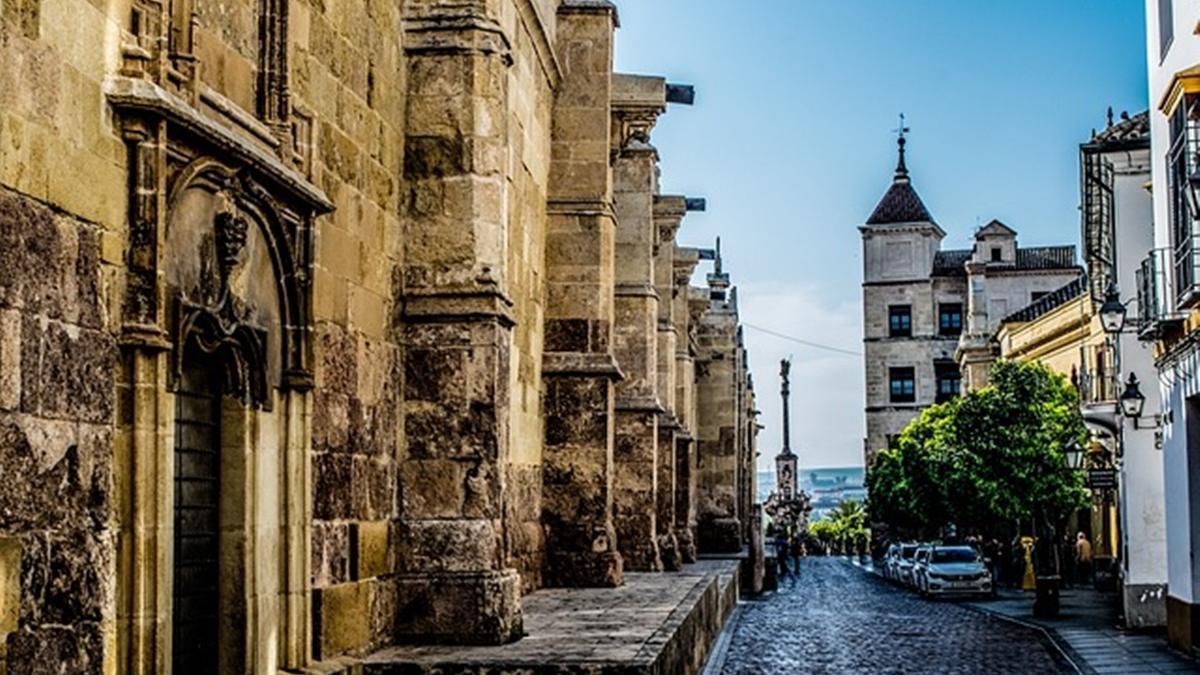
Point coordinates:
[[453, 581], [578, 368]]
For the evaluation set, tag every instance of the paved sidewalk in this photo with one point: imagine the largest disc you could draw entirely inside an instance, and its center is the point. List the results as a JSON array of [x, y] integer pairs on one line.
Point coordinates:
[[1086, 628], [1086, 631]]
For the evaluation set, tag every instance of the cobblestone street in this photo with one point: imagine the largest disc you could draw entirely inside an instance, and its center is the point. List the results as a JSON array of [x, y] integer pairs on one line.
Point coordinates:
[[835, 618]]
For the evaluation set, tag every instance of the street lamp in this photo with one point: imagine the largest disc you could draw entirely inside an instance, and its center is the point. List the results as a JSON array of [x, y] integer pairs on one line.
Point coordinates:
[[1132, 399], [1074, 455], [1112, 312]]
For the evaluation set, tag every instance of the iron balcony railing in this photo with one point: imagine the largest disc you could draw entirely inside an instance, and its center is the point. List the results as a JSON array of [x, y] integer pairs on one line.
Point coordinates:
[[1155, 298]]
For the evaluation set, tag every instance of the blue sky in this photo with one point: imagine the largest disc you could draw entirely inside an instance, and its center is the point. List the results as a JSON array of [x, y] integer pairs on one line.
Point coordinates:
[[790, 139]]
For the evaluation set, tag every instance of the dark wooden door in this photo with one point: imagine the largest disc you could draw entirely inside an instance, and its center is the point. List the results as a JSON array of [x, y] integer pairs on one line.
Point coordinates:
[[197, 523]]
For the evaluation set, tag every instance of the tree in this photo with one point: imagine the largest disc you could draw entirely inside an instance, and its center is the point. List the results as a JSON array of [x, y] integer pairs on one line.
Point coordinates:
[[984, 460], [844, 528]]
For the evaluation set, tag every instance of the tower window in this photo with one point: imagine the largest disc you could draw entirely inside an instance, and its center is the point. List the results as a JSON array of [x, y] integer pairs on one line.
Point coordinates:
[[949, 381], [900, 321], [902, 385], [950, 318], [997, 254]]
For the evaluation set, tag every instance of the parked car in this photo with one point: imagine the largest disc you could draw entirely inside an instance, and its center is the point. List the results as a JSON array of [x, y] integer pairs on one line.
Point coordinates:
[[952, 570], [904, 563], [920, 560], [887, 563]]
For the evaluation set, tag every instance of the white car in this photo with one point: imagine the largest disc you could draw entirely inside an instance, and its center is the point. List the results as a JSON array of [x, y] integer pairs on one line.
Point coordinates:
[[904, 564], [953, 570]]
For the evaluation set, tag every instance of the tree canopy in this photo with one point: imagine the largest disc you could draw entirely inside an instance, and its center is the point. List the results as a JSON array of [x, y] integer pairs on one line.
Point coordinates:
[[984, 460], [844, 528]]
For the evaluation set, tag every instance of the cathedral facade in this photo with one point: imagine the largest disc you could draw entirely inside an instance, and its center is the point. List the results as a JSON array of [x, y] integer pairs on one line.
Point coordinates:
[[329, 326]]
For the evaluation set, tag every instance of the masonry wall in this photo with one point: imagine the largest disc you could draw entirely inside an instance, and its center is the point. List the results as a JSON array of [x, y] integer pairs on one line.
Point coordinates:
[[391, 463], [348, 69], [62, 210]]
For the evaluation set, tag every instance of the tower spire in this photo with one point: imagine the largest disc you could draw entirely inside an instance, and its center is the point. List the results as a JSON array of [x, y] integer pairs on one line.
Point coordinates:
[[901, 167]]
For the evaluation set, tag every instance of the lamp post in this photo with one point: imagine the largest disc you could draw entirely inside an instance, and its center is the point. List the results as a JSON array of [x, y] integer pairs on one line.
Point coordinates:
[[1133, 401], [1112, 312], [1073, 455]]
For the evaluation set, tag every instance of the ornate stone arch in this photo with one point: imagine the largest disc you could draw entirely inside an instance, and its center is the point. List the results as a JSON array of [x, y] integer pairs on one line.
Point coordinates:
[[259, 347]]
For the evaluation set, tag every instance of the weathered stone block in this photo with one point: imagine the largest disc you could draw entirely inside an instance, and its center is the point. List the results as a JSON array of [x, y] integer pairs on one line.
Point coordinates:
[[330, 553], [50, 650], [446, 545], [341, 618], [67, 372], [10, 584], [374, 548], [333, 497], [68, 469], [459, 608]]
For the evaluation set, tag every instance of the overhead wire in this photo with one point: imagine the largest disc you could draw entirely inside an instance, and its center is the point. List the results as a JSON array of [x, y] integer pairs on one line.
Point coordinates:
[[807, 343]]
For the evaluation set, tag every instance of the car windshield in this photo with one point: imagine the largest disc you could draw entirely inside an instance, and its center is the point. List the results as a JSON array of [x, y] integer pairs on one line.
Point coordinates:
[[954, 555], [907, 552]]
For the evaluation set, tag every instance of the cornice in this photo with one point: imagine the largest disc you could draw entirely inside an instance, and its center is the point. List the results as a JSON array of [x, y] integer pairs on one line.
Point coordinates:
[[535, 24], [139, 96]]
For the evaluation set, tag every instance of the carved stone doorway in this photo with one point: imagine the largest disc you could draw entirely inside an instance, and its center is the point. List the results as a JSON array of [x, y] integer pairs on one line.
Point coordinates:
[[195, 616]]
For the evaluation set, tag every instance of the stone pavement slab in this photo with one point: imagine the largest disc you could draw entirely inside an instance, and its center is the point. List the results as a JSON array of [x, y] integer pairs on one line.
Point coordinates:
[[1086, 630], [656, 623]]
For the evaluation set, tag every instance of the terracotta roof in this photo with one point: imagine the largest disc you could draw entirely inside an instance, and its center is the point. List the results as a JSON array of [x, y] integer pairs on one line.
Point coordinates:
[[1128, 130], [1050, 301]]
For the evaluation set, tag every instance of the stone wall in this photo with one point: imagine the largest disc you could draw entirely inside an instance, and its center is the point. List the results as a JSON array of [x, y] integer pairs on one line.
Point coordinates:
[[61, 217], [57, 403], [452, 355], [347, 72]]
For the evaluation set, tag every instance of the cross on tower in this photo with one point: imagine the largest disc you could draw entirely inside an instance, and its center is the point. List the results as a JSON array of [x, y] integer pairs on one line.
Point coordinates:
[[902, 129]]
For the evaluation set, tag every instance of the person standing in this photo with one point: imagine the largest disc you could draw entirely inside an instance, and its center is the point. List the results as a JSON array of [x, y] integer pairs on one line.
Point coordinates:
[[1083, 559], [781, 552]]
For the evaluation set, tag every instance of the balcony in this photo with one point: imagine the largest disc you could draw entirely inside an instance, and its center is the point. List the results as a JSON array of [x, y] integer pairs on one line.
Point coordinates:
[[1155, 305]]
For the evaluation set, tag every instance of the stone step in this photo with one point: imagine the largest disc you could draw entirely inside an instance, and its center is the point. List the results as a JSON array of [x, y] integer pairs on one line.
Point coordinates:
[[657, 624]]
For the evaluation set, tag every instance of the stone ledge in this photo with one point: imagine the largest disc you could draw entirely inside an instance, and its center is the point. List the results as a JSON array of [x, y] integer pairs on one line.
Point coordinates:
[[655, 623]]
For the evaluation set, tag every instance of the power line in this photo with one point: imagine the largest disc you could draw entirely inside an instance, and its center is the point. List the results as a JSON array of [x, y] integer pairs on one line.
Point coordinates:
[[807, 343]]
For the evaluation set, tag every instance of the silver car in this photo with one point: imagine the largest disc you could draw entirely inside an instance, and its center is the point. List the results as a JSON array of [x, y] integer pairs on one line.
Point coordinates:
[[953, 570]]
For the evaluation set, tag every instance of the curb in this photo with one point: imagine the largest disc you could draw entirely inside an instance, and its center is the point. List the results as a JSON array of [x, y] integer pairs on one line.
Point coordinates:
[[720, 650], [1061, 652]]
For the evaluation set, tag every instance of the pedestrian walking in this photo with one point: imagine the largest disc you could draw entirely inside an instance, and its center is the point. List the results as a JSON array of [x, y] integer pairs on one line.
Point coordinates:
[[1083, 559]]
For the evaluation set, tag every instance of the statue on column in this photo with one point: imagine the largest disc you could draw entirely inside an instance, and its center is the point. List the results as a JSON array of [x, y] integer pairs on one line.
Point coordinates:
[[788, 506]]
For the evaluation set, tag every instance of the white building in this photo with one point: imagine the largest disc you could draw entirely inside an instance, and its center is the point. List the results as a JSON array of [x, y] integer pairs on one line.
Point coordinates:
[[916, 305], [1118, 231], [1170, 294]]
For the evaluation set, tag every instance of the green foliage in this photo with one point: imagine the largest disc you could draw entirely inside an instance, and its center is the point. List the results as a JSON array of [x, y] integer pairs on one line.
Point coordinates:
[[984, 459], [844, 528]]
